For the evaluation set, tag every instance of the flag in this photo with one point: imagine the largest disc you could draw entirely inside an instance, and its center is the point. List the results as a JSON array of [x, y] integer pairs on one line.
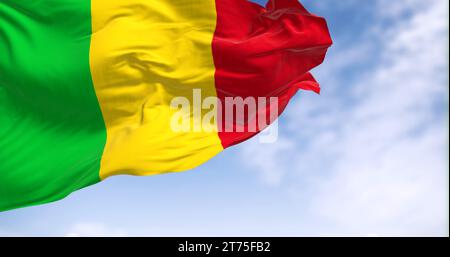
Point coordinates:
[[87, 86]]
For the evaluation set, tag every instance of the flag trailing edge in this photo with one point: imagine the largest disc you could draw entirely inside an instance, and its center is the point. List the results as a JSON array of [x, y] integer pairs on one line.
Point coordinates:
[[86, 86]]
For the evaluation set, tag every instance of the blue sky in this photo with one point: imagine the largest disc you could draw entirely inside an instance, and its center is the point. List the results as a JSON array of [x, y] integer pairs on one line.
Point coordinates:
[[366, 157]]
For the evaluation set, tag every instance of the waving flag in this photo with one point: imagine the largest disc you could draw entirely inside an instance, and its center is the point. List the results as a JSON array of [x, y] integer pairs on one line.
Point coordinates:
[[86, 85]]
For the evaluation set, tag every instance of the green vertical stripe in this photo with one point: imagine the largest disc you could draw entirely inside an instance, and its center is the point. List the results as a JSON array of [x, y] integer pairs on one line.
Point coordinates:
[[52, 132]]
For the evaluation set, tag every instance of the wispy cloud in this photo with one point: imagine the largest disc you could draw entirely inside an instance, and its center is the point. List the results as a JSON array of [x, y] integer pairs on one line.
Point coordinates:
[[369, 156], [86, 229]]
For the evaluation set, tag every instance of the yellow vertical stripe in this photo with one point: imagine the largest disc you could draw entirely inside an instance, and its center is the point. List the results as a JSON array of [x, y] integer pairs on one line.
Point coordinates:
[[143, 54]]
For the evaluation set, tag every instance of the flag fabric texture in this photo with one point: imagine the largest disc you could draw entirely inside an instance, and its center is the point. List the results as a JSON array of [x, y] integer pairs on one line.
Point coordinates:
[[86, 85]]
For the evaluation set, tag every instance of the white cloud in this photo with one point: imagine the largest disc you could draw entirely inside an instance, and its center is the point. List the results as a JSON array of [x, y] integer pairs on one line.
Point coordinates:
[[268, 161], [370, 155], [9, 234], [94, 230]]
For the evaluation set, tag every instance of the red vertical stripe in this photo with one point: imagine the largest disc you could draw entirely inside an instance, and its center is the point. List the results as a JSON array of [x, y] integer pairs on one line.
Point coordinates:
[[263, 52]]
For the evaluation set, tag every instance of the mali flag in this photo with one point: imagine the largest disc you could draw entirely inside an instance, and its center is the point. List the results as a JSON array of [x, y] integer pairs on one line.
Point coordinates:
[[86, 85]]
